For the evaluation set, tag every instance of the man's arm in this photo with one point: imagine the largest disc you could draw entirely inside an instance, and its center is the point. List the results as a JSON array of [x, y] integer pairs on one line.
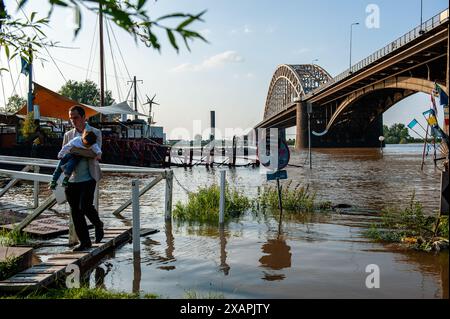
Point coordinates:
[[83, 152]]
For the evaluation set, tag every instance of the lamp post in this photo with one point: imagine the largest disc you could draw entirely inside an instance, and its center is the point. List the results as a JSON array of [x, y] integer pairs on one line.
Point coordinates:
[[351, 36], [421, 17], [315, 60], [381, 139]]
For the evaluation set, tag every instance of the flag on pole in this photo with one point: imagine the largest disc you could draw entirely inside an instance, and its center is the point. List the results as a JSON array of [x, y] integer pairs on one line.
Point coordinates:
[[443, 98], [430, 111], [432, 120], [25, 66], [412, 123]]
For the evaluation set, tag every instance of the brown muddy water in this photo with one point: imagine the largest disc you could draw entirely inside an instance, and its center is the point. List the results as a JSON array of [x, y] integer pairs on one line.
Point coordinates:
[[313, 256]]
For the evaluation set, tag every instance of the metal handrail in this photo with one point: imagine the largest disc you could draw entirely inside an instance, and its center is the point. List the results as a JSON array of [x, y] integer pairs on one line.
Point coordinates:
[[425, 27]]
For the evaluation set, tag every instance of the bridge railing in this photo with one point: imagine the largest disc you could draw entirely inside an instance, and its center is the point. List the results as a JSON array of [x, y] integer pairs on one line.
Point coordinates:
[[427, 26]]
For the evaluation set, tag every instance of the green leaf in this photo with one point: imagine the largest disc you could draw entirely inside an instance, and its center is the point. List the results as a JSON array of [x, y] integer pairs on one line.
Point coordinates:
[[77, 20], [141, 4], [7, 51], [173, 15], [22, 3], [186, 23], [33, 14], [172, 39]]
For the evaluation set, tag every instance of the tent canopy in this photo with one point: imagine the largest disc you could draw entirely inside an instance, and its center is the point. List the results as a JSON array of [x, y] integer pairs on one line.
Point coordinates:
[[52, 104]]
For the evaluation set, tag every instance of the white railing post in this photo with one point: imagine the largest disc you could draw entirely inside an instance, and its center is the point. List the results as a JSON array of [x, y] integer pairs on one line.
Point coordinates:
[[136, 217], [168, 200], [36, 189], [222, 197]]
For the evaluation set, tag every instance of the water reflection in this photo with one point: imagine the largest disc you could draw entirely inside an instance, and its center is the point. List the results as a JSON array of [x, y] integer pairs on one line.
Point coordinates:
[[223, 253], [154, 255], [100, 274], [278, 257]]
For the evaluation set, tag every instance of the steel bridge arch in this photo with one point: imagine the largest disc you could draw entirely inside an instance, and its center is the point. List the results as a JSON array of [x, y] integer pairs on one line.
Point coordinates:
[[412, 85], [292, 82]]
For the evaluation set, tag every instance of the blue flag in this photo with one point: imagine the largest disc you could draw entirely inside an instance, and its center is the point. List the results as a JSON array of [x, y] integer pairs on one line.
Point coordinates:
[[412, 123], [25, 67], [443, 98]]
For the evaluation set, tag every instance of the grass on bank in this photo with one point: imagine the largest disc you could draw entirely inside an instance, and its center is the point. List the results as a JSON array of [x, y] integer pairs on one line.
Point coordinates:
[[80, 293], [13, 237], [203, 205], [411, 227], [8, 267], [297, 199]]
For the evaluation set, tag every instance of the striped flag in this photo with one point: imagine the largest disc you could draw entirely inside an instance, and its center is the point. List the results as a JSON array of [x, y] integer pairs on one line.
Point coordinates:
[[412, 123], [430, 111]]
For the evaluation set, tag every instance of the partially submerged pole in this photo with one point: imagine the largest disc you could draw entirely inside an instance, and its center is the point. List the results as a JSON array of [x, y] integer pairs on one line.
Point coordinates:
[[136, 217], [168, 200], [222, 197]]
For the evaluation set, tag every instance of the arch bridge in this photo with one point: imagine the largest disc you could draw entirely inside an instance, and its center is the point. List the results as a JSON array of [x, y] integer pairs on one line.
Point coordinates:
[[347, 109]]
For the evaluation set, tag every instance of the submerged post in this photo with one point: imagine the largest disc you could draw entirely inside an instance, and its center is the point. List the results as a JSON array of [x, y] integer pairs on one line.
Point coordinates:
[[136, 217], [222, 197], [169, 188]]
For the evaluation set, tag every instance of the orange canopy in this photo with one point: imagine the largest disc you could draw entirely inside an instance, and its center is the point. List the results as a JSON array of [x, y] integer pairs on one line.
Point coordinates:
[[52, 104]]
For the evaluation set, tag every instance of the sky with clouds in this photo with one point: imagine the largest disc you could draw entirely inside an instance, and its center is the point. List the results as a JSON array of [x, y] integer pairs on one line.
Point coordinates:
[[247, 40]]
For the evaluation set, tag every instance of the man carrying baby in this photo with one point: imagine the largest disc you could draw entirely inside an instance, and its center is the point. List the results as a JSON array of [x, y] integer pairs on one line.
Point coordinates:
[[81, 184]]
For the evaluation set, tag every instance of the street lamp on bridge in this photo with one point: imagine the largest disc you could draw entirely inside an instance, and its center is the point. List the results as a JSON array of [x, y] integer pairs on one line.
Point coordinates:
[[315, 60], [421, 17], [351, 36]]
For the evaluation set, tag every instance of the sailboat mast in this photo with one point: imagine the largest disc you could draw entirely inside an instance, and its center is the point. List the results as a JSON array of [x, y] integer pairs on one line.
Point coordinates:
[[102, 67]]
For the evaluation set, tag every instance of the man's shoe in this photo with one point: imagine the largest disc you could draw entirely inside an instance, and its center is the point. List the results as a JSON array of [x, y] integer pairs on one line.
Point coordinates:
[[52, 185], [65, 181], [99, 233], [82, 247]]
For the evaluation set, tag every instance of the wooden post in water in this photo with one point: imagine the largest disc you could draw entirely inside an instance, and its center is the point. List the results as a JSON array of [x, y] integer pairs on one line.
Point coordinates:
[[222, 197], [136, 217], [191, 152], [234, 151], [245, 147], [169, 188], [36, 189]]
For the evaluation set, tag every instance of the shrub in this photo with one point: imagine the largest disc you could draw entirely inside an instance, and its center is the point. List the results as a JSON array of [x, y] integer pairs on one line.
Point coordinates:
[[203, 205]]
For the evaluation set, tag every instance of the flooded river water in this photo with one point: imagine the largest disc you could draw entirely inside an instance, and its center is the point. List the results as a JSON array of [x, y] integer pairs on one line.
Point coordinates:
[[319, 256]]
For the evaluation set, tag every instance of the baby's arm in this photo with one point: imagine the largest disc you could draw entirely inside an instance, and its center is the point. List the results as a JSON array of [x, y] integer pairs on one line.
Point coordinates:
[[65, 149], [97, 150]]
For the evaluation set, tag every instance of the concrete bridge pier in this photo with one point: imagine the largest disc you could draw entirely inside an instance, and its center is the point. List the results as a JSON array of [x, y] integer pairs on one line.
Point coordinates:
[[301, 133]]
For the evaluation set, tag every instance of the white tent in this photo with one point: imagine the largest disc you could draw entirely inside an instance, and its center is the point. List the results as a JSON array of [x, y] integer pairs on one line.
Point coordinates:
[[119, 108]]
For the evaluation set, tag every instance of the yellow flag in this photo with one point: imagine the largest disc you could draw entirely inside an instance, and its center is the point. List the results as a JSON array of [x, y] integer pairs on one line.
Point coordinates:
[[432, 120]]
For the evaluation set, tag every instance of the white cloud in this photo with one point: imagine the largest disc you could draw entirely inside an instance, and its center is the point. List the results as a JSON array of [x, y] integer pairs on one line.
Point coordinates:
[[213, 62], [247, 29]]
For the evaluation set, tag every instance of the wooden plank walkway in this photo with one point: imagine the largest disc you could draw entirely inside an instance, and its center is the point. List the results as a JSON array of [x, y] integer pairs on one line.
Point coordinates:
[[48, 272]]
